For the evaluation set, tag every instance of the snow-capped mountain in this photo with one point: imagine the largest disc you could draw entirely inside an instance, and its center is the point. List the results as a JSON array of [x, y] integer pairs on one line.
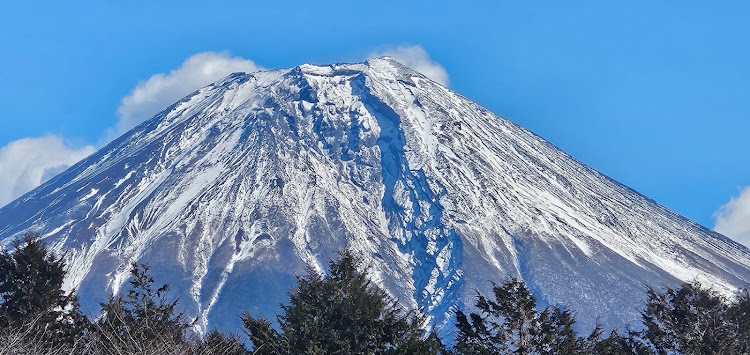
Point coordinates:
[[236, 188]]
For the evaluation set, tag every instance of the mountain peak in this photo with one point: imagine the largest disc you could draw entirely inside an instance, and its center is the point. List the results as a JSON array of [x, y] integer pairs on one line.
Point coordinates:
[[239, 186]]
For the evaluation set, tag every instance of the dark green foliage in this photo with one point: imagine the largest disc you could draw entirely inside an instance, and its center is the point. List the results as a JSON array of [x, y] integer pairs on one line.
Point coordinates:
[[37, 317], [556, 334], [615, 343], [264, 338], [31, 293], [689, 320], [342, 313], [144, 321], [219, 343], [511, 323], [143, 316], [738, 314]]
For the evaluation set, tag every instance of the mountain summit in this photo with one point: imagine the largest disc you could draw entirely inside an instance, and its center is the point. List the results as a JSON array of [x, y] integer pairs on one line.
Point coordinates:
[[239, 186]]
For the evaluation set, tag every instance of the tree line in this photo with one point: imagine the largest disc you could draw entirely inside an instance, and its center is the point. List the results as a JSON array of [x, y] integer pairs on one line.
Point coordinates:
[[343, 312]]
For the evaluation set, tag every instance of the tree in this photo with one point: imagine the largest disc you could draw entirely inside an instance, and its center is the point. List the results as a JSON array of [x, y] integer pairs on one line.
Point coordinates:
[[342, 313], [511, 323], [688, 320], [739, 317], [141, 319], [556, 334], [31, 293], [219, 343], [616, 343]]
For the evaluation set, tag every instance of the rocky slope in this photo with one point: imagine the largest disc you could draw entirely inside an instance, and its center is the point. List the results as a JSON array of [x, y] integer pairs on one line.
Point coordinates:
[[233, 190]]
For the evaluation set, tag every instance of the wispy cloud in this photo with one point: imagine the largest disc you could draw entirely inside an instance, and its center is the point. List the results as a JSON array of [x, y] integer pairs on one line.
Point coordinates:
[[417, 58], [733, 219], [163, 89], [26, 163]]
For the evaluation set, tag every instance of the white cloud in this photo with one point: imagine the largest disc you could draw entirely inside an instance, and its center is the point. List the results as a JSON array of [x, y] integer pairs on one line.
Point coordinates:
[[415, 57], [733, 219], [164, 89], [26, 163]]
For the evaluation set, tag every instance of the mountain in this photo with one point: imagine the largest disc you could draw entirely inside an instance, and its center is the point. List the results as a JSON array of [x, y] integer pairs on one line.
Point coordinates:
[[235, 189]]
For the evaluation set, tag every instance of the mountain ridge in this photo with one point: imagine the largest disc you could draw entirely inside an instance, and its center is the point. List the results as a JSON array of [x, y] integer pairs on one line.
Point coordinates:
[[241, 184]]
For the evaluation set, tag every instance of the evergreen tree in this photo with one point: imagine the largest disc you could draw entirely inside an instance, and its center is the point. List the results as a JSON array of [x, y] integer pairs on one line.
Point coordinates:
[[143, 317], [739, 317], [556, 334], [342, 313], [688, 320], [31, 293], [511, 323], [615, 343], [219, 343]]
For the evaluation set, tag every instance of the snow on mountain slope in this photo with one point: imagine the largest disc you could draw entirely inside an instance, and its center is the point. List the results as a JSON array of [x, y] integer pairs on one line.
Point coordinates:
[[233, 190]]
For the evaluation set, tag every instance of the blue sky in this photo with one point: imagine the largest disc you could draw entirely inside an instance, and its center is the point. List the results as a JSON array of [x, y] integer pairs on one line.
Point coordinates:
[[655, 94]]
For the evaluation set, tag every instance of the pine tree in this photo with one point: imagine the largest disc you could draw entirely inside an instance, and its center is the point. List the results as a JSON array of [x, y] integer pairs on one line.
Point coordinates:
[[474, 336], [31, 292], [616, 343], [739, 317], [143, 317], [511, 323], [688, 320], [342, 313], [264, 338], [556, 334], [219, 343]]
